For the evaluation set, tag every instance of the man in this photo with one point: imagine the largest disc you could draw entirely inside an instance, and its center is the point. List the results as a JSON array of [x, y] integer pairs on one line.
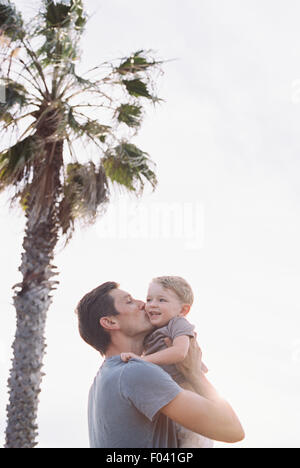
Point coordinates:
[[136, 404]]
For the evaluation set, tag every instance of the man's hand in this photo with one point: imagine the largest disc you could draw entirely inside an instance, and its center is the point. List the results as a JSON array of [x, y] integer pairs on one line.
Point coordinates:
[[192, 364], [127, 356]]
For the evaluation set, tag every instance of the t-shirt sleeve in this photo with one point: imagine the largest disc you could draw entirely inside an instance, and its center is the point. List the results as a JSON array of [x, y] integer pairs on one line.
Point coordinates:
[[180, 326], [147, 387]]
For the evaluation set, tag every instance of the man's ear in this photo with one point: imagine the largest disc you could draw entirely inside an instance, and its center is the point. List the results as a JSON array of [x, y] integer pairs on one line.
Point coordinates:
[[109, 323], [185, 310]]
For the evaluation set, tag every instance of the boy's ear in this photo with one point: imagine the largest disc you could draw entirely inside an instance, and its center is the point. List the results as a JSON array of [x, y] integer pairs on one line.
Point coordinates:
[[109, 323], [185, 310]]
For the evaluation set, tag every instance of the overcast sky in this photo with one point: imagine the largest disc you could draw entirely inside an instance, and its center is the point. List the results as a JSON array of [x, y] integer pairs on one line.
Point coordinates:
[[225, 215]]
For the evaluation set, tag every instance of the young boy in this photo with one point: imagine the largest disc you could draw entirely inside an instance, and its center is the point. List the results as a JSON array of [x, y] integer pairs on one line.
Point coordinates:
[[168, 302]]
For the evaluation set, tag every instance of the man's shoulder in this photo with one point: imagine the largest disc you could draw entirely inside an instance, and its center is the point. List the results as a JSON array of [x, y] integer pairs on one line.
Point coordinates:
[[141, 378], [138, 366], [137, 370]]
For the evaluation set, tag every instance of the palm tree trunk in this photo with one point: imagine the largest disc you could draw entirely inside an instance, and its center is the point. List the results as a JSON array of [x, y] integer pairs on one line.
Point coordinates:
[[32, 302]]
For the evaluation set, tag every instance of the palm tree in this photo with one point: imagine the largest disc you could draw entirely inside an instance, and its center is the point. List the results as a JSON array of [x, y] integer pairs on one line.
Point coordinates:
[[50, 113]]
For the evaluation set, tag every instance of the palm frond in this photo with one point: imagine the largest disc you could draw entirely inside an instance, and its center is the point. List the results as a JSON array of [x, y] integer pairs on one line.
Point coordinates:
[[91, 128], [6, 117], [135, 63], [128, 166], [60, 14], [63, 25], [85, 193], [56, 51], [15, 94], [78, 11], [94, 128], [16, 162], [35, 65], [57, 14], [137, 88], [11, 23], [130, 115], [80, 79]]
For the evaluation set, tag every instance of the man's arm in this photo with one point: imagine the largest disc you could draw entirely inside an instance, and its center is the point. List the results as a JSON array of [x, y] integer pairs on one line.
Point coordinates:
[[207, 413], [214, 419]]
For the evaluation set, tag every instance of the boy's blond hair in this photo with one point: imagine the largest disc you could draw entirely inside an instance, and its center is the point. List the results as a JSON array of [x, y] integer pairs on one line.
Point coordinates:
[[179, 285]]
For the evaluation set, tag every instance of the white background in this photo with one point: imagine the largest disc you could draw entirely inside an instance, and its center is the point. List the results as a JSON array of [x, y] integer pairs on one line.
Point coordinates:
[[226, 139]]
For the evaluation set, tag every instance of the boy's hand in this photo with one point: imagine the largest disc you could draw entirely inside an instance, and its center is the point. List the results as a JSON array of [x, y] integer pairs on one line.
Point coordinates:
[[127, 356]]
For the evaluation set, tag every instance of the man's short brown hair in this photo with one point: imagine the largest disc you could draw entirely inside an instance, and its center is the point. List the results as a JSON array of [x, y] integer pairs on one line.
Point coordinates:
[[94, 305]]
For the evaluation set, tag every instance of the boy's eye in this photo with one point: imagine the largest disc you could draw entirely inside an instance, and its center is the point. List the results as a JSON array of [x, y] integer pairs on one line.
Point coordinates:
[[162, 300]]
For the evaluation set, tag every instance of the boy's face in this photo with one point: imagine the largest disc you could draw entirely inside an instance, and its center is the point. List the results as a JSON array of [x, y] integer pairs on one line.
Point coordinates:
[[162, 305]]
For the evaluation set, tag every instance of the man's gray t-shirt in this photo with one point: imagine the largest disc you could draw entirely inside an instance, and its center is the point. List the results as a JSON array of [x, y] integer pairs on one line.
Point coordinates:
[[124, 406]]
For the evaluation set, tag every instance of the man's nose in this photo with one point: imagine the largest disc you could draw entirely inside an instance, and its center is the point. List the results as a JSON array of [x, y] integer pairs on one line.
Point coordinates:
[[141, 305]]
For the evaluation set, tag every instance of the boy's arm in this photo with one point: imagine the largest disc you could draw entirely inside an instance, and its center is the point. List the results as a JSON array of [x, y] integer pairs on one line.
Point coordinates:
[[172, 355]]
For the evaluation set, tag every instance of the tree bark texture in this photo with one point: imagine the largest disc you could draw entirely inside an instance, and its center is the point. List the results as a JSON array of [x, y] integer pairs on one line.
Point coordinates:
[[32, 302]]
